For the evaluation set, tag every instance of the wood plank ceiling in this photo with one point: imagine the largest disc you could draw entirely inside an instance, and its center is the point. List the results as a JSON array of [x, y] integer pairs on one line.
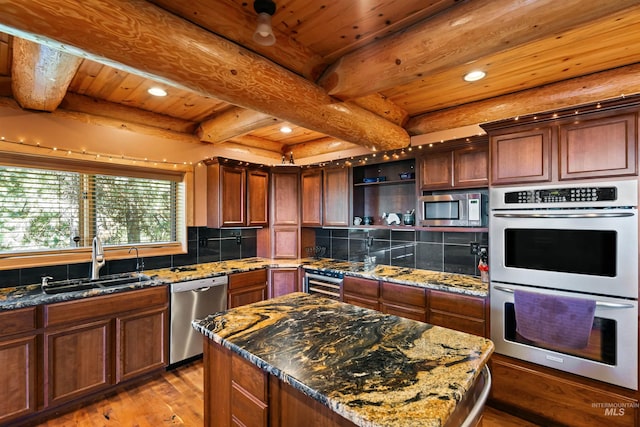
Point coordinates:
[[342, 74]]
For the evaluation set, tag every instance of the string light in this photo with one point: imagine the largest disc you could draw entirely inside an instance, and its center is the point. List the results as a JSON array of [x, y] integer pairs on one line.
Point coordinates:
[[83, 152]]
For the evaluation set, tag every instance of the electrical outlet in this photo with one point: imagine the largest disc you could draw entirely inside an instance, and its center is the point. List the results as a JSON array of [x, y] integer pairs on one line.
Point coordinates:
[[475, 248]]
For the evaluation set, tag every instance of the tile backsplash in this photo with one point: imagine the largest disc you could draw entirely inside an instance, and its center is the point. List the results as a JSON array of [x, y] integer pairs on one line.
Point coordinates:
[[429, 250], [203, 244]]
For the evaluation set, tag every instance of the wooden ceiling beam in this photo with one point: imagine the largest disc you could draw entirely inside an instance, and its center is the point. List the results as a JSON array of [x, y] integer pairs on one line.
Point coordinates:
[[40, 75], [133, 36], [460, 35], [112, 110], [233, 122], [578, 91], [236, 23], [257, 142], [382, 106], [316, 147]]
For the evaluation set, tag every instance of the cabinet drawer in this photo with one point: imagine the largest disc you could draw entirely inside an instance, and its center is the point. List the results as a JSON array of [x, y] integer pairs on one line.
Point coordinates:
[[404, 294], [459, 323], [249, 377], [101, 306], [17, 321], [248, 278], [463, 305], [362, 287]]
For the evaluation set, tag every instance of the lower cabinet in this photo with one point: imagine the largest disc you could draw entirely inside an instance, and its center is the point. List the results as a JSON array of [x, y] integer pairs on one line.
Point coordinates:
[[77, 361], [88, 346], [282, 281], [247, 287], [238, 393], [464, 313], [361, 292], [18, 359], [550, 397], [140, 342], [404, 301]]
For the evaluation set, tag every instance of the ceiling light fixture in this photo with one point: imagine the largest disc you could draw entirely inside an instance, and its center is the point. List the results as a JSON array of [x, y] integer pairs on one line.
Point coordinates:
[[264, 33], [286, 129], [157, 91], [474, 76]]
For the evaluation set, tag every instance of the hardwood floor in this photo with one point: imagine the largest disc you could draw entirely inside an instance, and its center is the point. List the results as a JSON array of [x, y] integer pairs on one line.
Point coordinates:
[[175, 399]]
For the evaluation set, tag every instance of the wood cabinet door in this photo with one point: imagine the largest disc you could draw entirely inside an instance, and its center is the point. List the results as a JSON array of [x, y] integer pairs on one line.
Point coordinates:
[[141, 343], [284, 201], [246, 288], [282, 281], [286, 242], [471, 167], [436, 171], [521, 157], [233, 192], [599, 148], [77, 361], [311, 195], [257, 197], [336, 197], [18, 394]]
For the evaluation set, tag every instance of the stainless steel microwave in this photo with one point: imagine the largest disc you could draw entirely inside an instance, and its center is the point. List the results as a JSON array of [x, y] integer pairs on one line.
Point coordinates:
[[454, 210]]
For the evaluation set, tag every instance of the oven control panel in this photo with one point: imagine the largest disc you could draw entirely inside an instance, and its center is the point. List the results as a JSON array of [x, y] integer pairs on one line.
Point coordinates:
[[561, 195]]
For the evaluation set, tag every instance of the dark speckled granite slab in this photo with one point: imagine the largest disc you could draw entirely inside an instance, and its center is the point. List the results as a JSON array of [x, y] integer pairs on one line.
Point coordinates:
[[371, 368], [25, 296]]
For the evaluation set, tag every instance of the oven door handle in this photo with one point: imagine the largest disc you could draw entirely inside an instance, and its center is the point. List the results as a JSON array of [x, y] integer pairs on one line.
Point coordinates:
[[558, 215], [598, 303]]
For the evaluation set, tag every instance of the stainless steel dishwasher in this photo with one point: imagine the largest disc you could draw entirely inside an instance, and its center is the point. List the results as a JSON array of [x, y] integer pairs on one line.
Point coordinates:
[[192, 300]]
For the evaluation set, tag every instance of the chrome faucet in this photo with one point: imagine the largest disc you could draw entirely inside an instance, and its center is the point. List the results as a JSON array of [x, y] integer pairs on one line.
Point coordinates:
[[97, 258], [139, 261]]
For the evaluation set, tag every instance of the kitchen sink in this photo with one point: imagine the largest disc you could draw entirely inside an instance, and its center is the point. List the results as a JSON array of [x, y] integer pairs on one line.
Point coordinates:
[[73, 285]]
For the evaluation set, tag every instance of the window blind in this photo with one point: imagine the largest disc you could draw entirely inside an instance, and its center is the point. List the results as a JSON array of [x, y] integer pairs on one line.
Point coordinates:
[[42, 209]]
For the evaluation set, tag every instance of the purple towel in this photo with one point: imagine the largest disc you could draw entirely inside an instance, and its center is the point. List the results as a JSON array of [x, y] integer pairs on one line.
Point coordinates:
[[555, 320]]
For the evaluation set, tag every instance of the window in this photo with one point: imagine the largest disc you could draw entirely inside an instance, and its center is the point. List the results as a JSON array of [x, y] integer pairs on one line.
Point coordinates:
[[42, 209]]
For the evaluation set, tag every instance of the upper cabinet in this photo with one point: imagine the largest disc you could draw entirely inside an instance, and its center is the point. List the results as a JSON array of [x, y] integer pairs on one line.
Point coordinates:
[[594, 142], [462, 167], [520, 157], [236, 196], [311, 198], [257, 197], [336, 196], [325, 197], [605, 146]]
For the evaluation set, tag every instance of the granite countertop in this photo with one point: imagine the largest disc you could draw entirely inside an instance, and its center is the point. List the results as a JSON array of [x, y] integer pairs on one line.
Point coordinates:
[[451, 282], [371, 368], [25, 296]]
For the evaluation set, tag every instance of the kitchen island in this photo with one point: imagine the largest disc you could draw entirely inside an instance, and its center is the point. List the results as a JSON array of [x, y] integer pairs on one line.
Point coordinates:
[[305, 360]]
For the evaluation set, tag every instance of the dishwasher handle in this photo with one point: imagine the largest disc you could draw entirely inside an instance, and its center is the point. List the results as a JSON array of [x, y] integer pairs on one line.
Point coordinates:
[[201, 289]]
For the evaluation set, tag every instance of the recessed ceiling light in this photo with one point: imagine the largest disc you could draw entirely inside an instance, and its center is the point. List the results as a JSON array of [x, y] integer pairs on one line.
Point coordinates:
[[474, 76], [157, 91], [285, 129]]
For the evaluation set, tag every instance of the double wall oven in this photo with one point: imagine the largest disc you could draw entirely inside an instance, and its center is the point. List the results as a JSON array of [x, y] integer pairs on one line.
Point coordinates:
[[573, 242]]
